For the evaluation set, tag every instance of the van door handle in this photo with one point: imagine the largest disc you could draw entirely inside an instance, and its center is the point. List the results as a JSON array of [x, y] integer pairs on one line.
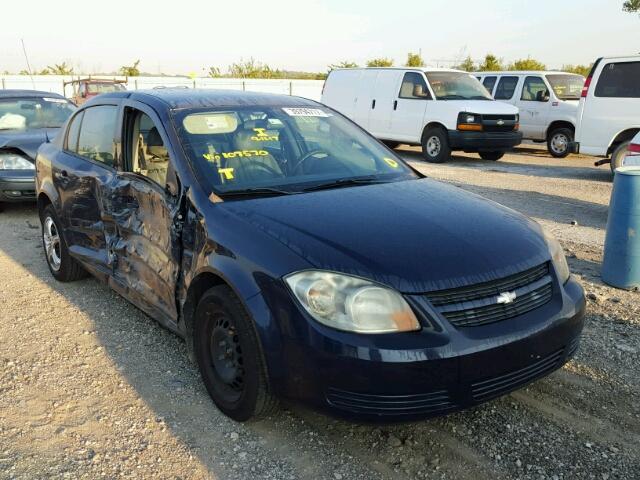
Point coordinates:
[[395, 104], [373, 104]]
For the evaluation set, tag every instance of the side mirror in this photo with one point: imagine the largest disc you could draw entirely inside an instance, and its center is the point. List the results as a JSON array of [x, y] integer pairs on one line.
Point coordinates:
[[542, 96]]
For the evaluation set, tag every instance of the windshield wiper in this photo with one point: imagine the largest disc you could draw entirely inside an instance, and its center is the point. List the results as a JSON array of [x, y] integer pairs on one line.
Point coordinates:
[[345, 182], [257, 191]]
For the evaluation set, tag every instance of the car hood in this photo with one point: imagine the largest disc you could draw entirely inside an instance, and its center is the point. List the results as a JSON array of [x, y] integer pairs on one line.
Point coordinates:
[[26, 141], [415, 236], [484, 107]]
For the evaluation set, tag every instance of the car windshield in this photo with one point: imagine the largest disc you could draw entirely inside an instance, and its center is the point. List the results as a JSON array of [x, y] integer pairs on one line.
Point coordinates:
[[567, 87], [104, 87], [280, 150], [29, 112], [457, 86]]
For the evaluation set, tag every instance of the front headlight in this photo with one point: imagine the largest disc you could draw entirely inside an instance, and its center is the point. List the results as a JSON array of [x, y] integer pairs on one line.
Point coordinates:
[[350, 303], [558, 257], [469, 121], [13, 161]]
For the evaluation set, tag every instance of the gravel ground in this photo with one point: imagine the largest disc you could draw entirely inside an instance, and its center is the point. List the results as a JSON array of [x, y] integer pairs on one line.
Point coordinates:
[[92, 388]]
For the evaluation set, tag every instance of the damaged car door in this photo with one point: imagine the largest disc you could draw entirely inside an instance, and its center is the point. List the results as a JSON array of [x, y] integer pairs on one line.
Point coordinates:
[[144, 217]]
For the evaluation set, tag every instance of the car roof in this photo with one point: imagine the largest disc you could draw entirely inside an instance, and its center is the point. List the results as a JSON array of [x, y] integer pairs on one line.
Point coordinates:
[[28, 93], [414, 69], [527, 72]]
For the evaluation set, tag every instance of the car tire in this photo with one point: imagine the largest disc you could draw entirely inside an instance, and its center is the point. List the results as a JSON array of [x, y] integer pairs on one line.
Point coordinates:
[[558, 142], [229, 356], [391, 144], [618, 156], [435, 145], [491, 155], [62, 265]]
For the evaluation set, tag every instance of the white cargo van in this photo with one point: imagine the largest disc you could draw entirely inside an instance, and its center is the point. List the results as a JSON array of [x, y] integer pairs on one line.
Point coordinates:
[[548, 103], [609, 111], [441, 110]]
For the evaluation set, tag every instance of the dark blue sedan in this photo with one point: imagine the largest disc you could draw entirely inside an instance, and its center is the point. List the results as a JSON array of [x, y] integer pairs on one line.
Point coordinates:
[[300, 258], [28, 118]]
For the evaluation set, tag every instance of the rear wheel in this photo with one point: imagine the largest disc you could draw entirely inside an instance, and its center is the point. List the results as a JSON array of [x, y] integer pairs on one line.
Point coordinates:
[[491, 155], [435, 145], [558, 142], [229, 356], [63, 267], [618, 156]]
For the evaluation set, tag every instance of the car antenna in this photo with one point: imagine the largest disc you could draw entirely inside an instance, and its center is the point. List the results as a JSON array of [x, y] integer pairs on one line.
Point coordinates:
[[28, 65]]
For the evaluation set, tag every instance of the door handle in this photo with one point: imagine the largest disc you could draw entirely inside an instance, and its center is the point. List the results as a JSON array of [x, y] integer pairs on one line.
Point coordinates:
[[395, 104], [373, 104]]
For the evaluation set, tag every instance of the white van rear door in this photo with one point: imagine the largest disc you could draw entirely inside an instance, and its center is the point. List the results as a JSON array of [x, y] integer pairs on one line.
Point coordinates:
[[339, 91], [384, 95], [410, 104], [363, 94]]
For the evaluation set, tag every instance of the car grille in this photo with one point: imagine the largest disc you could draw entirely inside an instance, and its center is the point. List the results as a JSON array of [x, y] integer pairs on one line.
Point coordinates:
[[426, 403], [477, 305], [496, 386], [490, 123]]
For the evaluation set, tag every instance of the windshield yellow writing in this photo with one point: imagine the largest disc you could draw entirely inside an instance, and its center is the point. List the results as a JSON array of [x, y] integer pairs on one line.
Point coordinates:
[[262, 136], [212, 157], [227, 173]]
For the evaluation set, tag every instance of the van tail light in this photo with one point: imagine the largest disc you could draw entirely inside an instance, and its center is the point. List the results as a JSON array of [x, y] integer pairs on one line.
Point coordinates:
[[585, 88], [634, 149]]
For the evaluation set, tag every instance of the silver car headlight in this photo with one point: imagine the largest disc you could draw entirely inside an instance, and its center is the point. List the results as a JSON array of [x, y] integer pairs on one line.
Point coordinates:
[[557, 256], [352, 304], [13, 161]]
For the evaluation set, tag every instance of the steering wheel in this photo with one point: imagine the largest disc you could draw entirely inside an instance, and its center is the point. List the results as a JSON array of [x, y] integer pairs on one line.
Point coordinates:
[[307, 156], [266, 168]]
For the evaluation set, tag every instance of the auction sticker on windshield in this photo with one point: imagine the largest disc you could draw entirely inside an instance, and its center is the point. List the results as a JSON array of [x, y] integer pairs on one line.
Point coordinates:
[[305, 112]]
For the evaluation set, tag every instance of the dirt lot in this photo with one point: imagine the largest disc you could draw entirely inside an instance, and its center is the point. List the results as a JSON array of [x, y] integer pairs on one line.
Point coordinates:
[[92, 388]]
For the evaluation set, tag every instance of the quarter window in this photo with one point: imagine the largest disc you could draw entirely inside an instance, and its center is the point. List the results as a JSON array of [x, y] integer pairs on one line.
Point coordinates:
[[506, 87], [619, 80], [489, 83], [534, 90], [414, 86], [74, 130], [96, 134]]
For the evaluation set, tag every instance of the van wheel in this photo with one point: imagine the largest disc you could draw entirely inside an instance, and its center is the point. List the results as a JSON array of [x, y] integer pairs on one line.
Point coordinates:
[[491, 155], [229, 356], [618, 156], [62, 266], [391, 144], [558, 142], [435, 145]]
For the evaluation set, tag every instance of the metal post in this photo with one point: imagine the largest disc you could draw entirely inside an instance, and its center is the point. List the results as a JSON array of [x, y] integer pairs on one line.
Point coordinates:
[[244, 86], [3, 85], [135, 83], [290, 88], [194, 83]]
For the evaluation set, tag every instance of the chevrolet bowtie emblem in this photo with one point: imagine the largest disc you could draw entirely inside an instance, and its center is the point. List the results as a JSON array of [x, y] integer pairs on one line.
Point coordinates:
[[506, 297], [500, 122]]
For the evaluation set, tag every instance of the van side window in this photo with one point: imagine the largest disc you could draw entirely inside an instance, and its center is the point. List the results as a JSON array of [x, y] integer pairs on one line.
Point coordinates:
[[619, 80], [534, 90], [506, 87], [95, 141], [489, 83], [414, 86], [73, 133]]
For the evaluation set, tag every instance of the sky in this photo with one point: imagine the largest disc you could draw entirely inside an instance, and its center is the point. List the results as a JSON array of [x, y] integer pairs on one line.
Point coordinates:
[[192, 35]]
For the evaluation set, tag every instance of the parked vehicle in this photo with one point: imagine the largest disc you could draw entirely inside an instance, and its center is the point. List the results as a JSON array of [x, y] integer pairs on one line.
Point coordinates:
[[441, 110], [609, 111], [548, 104], [27, 119], [301, 258], [83, 89], [633, 152]]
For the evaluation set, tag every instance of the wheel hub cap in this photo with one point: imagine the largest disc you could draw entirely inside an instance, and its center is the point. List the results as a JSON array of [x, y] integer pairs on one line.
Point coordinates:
[[433, 146], [51, 239], [226, 354], [559, 143]]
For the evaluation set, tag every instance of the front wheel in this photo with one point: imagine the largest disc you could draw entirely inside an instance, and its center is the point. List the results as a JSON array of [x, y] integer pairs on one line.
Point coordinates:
[[491, 155], [229, 356], [558, 142], [435, 145], [618, 156]]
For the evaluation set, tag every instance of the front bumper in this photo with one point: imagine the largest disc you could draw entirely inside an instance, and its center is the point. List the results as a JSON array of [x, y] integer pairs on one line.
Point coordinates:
[[17, 185], [483, 141], [421, 374]]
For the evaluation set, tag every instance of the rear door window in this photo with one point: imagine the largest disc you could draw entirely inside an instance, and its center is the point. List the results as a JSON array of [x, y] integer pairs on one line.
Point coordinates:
[[619, 80], [506, 87], [489, 83], [74, 131], [96, 134]]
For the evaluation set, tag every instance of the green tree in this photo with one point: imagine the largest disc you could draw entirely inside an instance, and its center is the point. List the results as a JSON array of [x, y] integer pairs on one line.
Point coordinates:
[[44, 71], [467, 65], [214, 72], [252, 69], [491, 63], [631, 6], [380, 62], [579, 69], [414, 60], [343, 64], [131, 70], [60, 69], [527, 64]]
